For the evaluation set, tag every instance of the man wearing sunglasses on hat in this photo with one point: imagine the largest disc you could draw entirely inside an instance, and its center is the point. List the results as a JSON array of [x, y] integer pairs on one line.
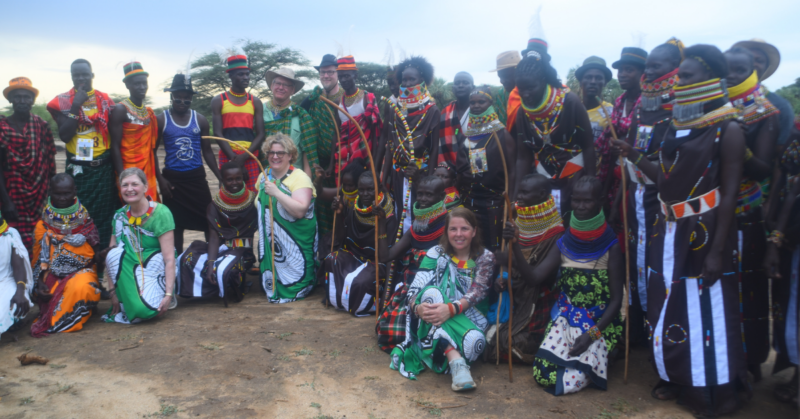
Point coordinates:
[[183, 184]]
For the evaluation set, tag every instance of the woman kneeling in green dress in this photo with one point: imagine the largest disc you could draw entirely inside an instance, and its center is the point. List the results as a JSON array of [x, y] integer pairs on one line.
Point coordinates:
[[444, 328], [141, 259]]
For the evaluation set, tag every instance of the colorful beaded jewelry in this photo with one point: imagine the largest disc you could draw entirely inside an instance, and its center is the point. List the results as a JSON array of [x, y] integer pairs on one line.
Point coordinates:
[[229, 202], [237, 94], [485, 123], [594, 333], [547, 113], [538, 223]]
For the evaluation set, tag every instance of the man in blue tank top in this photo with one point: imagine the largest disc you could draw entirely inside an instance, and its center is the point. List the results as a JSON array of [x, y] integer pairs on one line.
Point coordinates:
[[182, 181]]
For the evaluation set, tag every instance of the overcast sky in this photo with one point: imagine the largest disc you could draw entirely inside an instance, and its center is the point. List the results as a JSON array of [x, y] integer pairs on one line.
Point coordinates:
[[39, 39]]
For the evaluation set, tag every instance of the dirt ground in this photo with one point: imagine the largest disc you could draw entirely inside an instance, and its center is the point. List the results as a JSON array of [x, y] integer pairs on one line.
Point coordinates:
[[298, 360]]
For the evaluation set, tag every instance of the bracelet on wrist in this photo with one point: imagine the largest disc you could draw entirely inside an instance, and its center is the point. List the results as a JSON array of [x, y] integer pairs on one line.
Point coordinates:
[[169, 294], [452, 309], [23, 284], [594, 333]]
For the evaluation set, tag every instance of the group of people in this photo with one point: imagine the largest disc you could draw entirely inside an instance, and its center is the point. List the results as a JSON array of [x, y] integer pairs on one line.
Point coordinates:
[[427, 215]]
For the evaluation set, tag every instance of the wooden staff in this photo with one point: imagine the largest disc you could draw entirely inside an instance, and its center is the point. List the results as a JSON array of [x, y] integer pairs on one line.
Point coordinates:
[[506, 211], [375, 181], [627, 244], [271, 215], [338, 185]]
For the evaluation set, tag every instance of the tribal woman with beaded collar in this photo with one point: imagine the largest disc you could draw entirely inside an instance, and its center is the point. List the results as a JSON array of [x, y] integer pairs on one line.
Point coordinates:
[[446, 171], [218, 268], [535, 231], [694, 271], [761, 130], [425, 232], [650, 121], [586, 326], [350, 269], [483, 176], [66, 259], [410, 136], [553, 129]]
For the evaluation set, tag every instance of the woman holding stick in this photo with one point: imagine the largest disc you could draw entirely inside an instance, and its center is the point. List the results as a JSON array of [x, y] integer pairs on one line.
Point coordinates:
[[444, 301], [292, 195]]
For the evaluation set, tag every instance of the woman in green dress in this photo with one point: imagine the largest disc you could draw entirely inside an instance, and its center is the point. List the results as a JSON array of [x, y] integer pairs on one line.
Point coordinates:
[[446, 317], [141, 259], [292, 195]]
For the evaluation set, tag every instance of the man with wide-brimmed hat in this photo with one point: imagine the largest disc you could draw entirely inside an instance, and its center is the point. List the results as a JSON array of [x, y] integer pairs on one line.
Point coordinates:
[[183, 180], [281, 116], [766, 59], [82, 116], [133, 129], [28, 152], [592, 77], [237, 116], [506, 70]]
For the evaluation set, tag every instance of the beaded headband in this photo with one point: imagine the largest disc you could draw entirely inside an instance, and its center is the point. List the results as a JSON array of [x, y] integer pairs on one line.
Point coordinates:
[[481, 92], [702, 62]]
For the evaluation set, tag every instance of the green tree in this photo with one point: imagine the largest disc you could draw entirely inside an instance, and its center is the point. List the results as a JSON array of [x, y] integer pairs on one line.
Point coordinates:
[[372, 78], [442, 92], [209, 77], [792, 94]]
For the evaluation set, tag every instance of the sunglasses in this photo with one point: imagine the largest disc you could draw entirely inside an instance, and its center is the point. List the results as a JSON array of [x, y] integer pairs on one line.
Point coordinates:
[[277, 153], [179, 101]]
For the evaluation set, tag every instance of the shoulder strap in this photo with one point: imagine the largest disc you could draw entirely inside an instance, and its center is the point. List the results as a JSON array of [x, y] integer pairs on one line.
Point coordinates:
[[224, 96]]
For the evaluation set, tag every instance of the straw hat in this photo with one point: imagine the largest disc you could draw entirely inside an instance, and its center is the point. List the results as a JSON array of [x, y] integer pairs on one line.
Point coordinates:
[[508, 59], [286, 73], [23, 83]]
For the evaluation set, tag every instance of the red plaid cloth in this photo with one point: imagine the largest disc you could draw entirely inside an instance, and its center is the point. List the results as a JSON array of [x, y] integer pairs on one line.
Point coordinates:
[[29, 165], [391, 327], [449, 129], [63, 104], [350, 144], [603, 142], [250, 167]]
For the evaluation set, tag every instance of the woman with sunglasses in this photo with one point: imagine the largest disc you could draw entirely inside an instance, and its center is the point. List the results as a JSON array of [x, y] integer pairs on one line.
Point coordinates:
[[292, 195]]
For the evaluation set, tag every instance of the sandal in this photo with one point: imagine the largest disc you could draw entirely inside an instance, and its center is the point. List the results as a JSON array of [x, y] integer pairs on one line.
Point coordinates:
[[668, 391]]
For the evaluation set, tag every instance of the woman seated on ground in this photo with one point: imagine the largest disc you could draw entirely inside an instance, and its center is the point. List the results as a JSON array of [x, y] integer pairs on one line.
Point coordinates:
[[446, 171], [219, 267], [533, 234], [292, 196], [65, 261], [16, 279], [426, 231], [350, 270], [446, 326], [586, 325], [141, 262]]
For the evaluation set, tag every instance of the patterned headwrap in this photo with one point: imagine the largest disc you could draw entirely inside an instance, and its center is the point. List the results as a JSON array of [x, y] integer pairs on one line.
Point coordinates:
[[346, 63], [133, 68], [237, 62]]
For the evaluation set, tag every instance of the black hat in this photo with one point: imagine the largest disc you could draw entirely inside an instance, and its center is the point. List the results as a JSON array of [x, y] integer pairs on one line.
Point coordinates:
[[631, 55], [181, 83], [327, 60], [593, 62]]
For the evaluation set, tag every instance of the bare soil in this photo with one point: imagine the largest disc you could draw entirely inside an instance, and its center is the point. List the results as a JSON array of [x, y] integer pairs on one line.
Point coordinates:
[[298, 360]]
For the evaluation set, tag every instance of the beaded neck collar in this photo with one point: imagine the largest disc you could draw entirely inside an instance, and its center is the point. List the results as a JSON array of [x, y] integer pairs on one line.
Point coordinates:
[[485, 123], [65, 219], [229, 202], [701, 105], [659, 92], [138, 221], [413, 97], [748, 98], [365, 216], [424, 216], [538, 223]]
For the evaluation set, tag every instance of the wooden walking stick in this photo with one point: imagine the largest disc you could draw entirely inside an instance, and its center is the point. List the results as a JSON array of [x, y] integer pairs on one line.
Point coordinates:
[[506, 211], [375, 182], [338, 168], [271, 214], [627, 244]]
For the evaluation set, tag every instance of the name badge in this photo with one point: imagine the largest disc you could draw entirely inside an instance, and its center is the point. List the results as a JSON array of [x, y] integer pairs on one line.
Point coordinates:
[[85, 150], [477, 159], [643, 137]]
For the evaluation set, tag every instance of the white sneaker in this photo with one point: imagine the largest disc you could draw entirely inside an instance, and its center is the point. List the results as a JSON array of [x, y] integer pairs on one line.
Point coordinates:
[[462, 379]]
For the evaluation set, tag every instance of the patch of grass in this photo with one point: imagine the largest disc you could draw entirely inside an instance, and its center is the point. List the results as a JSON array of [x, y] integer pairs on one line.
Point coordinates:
[[58, 366], [211, 346], [312, 384], [605, 414], [371, 378], [285, 335], [300, 319], [284, 358], [368, 349], [165, 411], [26, 400], [63, 388], [315, 405], [335, 353], [303, 352], [432, 409], [129, 336], [622, 405]]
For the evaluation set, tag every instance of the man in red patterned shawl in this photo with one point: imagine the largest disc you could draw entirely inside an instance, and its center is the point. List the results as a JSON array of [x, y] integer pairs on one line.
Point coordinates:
[[27, 160]]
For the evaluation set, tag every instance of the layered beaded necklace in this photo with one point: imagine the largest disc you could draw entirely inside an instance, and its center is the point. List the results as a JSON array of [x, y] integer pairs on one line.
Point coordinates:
[[231, 92], [544, 118], [484, 123], [414, 97], [428, 222], [658, 93], [233, 202], [350, 197], [65, 219], [749, 100], [365, 215], [139, 112], [538, 223], [587, 240], [701, 105], [350, 100]]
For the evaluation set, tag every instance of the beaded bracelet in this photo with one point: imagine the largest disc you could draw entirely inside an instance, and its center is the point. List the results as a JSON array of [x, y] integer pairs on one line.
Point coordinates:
[[594, 333], [23, 283], [638, 159], [452, 310], [776, 238], [73, 116]]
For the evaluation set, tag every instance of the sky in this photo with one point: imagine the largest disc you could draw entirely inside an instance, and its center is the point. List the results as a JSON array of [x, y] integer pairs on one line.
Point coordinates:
[[39, 39]]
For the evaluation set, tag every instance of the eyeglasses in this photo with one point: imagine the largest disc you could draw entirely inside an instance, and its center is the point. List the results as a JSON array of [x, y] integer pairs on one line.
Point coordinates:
[[179, 101], [327, 73], [280, 154], [284, 85]]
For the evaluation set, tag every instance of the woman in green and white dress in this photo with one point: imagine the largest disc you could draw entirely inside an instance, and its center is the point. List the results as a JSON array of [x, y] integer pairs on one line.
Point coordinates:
[[292, 194], [141, 256]]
